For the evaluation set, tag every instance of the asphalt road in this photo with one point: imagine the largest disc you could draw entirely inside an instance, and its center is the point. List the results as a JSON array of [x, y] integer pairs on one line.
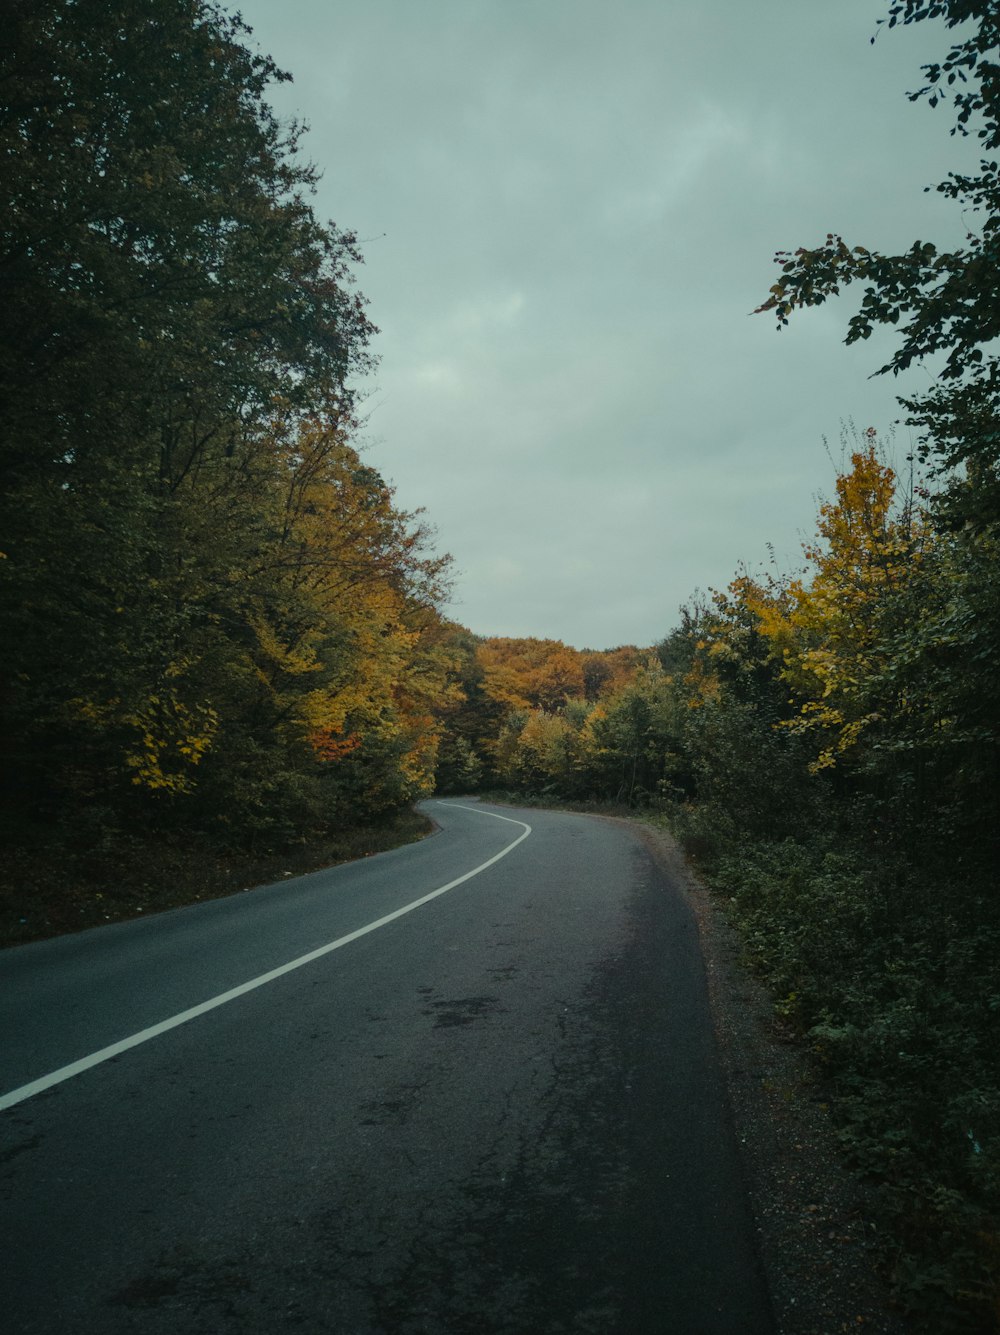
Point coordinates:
[[498, 1113]]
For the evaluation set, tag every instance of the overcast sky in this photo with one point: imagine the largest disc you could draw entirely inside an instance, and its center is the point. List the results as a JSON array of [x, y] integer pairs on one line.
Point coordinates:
[[569, 208]]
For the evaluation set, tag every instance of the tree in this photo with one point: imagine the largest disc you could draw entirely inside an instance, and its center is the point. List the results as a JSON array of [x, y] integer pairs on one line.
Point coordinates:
[[945, 302], [211, 607], [471, 723], [325, 651], [161, 267], [947, 306], [530, 673], [834, 635]]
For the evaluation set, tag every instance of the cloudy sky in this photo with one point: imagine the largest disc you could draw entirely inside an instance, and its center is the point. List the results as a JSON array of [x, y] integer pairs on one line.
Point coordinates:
[[568, 209]]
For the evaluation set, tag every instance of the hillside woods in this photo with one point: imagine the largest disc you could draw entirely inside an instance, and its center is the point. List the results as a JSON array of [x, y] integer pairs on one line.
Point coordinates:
[[224, 653]]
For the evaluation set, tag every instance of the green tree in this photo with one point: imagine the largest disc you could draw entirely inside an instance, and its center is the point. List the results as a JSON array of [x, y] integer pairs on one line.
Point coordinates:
[[944, 302], [472, 723], [164, 283]]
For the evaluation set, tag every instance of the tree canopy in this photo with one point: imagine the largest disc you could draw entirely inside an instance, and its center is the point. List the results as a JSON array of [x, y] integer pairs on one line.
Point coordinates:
[[946, 304], [211, 606]]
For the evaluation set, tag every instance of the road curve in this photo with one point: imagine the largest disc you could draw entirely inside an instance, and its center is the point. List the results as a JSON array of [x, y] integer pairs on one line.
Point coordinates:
[[465, 1087]]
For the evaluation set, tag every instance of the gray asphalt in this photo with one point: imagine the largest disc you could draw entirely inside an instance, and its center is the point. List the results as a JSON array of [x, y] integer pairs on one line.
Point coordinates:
[[500, 1114]]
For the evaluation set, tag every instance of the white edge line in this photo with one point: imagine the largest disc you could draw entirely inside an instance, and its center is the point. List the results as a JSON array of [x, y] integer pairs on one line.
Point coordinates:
[[44, 1082]]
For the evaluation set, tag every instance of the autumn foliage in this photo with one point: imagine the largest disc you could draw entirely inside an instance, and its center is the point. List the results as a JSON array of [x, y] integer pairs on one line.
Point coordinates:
[[216, 624], [214, 617]]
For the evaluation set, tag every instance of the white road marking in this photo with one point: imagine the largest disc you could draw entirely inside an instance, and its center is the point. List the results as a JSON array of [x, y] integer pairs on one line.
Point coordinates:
[[144, 1035]]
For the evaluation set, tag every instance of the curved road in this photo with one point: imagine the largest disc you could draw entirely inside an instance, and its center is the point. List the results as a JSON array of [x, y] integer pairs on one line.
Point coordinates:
[[465, 1087]]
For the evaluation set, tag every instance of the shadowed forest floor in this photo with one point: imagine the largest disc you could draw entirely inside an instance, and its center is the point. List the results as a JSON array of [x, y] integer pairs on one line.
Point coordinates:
[[51, 885]]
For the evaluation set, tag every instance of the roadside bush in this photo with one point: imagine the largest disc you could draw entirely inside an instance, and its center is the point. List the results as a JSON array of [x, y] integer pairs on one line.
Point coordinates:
[[899, 1003]]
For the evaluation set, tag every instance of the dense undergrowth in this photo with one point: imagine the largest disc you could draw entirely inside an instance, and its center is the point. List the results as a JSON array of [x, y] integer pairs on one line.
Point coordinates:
[[890, 977]]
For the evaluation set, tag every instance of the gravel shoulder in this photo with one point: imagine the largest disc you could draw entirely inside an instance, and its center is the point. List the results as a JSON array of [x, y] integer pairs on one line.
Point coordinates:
[[818, 1243]]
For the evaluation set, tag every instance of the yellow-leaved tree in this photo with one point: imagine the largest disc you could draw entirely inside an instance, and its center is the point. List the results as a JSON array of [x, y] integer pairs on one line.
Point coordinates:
[[832, 632], [362, 668]]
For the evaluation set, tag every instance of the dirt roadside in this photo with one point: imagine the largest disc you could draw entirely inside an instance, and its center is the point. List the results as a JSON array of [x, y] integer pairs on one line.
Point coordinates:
[[818, 1244]]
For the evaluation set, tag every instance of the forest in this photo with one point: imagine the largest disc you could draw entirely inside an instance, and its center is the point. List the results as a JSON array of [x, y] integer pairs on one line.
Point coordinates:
[[225, 652]]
